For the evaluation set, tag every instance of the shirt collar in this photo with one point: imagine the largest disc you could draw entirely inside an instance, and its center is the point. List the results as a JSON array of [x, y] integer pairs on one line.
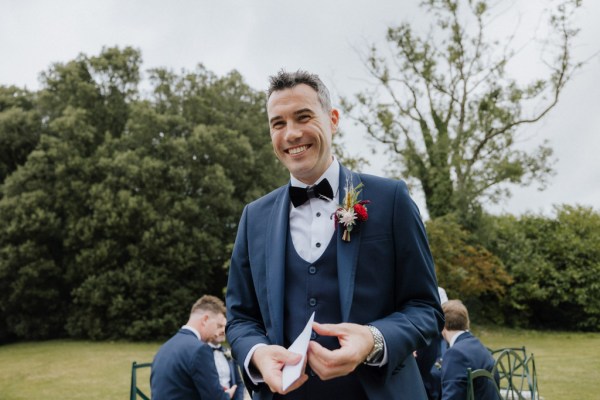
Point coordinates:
[[332, 174], [453, 340], [194, 331]]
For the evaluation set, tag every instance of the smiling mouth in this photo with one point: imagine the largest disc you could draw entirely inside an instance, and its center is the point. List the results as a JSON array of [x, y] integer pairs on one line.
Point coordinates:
[[297, 150]]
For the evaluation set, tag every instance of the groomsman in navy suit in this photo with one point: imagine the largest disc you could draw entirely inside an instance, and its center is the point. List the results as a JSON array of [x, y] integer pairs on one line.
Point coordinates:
[[464, 351], [184, 367], [350, 247]]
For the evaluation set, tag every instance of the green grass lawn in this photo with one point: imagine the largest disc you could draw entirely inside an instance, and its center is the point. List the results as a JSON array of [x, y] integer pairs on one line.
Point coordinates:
[[568, 365], [65, 370]]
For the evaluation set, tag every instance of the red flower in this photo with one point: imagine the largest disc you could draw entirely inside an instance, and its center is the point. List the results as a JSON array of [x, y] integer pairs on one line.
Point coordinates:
[[351, 211], [361, 212]]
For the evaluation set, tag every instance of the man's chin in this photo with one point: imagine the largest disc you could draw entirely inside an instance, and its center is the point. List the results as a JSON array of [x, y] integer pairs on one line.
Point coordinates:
[[302, 173]]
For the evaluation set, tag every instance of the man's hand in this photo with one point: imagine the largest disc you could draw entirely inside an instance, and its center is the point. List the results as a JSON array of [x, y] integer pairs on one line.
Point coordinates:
[[270, 360], [231, 391], [356, 342]]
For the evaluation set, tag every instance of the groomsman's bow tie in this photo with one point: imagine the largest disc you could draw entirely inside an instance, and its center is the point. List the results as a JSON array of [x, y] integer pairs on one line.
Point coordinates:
[[218, 348], [322, 190]]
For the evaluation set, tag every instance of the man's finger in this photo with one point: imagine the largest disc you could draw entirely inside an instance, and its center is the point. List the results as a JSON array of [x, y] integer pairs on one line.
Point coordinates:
[[327, 329]]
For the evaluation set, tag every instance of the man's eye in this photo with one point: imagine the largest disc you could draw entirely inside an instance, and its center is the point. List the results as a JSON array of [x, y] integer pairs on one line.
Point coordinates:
[[277, 125], [304, 117]]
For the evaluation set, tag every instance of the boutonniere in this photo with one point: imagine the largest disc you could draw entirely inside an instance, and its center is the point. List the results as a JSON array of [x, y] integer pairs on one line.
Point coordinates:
[[227, 353], [352, 211]]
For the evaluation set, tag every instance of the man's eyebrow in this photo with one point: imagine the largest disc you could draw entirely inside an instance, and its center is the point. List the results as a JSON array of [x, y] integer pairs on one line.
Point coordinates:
[[296, 113], [304, 110]]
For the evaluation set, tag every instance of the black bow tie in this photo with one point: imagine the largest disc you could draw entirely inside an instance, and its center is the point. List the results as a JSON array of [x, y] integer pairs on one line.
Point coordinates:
[[322, 190], [220, 348]]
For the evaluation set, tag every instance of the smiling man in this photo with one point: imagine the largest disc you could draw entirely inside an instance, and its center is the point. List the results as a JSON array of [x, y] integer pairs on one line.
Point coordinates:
[[374, 291], [301, 131]]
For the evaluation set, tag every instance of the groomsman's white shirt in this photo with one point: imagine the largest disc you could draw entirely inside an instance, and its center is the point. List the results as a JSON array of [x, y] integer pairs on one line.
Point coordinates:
[[312, 224]]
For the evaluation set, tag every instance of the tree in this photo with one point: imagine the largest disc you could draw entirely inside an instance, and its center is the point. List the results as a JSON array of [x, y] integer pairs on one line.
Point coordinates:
[[555, 264], [20, 128], [448, 112], [43, 199], [126, 209], [466, 269], [39, 200]]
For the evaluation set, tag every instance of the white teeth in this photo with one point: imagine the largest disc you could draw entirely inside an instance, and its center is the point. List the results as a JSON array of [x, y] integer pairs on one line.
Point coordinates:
[[297, 150]]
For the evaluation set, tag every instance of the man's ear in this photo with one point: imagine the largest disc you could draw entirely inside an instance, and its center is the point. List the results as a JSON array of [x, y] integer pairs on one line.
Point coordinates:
[[334, 117], [204, 319]]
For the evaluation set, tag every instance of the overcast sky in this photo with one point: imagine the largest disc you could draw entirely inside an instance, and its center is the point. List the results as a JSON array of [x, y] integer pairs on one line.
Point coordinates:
[[258, 37]]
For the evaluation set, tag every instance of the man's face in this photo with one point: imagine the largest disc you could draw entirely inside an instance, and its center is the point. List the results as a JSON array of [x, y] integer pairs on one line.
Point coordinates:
[[213, 328], [301, 131]]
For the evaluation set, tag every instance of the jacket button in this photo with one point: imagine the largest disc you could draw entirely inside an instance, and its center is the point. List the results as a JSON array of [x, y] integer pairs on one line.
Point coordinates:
[[312, 302], [312, 270]]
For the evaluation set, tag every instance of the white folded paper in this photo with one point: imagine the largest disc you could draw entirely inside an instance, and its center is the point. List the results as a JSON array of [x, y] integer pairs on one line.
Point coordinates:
[[300, 346]]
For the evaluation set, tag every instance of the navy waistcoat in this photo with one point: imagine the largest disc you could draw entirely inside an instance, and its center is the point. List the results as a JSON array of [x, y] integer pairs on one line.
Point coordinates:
[[314, 287]]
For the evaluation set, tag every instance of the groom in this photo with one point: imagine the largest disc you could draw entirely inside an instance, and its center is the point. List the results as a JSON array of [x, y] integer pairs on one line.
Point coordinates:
[[366, 271]]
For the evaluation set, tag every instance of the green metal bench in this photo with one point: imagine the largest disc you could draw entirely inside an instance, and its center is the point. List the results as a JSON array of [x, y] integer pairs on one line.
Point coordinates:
[[517, 372], [479, 374], [135, 391]]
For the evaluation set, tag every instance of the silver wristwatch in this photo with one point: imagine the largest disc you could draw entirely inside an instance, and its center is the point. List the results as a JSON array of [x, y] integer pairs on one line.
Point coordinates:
[[377, 353]]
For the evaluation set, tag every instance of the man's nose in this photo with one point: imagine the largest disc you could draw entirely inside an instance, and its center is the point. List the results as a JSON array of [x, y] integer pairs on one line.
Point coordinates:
[[293, 132]]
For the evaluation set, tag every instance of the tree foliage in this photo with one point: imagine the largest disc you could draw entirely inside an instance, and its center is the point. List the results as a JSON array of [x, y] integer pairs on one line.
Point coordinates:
[[466, 269], [448, 112], [20, 128], [123, 211], [555, 264]]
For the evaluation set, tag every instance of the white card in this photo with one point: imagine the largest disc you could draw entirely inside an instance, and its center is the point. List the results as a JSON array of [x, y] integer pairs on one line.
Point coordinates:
[[300, 346]]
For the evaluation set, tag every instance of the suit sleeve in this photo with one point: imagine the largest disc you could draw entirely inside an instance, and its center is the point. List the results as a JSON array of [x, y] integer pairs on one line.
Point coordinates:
[[205, 375], [244, 324], [417, 316]]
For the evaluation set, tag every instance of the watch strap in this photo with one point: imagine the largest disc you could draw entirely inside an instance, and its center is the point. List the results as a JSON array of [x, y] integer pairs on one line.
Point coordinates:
[[377, 353]]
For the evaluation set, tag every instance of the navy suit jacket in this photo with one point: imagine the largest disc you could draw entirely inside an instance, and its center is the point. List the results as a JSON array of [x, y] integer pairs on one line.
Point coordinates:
[[386, 279], [184, 368], [467, 352]]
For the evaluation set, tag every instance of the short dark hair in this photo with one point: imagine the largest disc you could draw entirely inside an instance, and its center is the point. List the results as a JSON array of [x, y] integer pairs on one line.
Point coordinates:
[[457, 316], [287, 80], [209, 303]]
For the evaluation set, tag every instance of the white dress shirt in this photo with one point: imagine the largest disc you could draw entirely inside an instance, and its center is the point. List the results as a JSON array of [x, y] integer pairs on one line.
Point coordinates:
[[312, 224], [222, 367]]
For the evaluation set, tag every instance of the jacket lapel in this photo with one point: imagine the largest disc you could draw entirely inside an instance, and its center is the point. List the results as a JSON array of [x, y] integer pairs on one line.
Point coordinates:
[[277, 227], [347, 252], [232, 376]]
